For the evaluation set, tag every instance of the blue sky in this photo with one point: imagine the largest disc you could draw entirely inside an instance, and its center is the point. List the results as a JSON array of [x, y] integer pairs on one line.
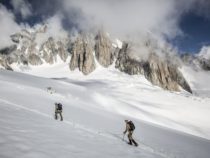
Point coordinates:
[[194, 22], [196, 31]]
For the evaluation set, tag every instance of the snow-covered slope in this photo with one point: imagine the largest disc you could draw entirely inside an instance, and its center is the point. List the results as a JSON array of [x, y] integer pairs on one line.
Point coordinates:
[[205, 52], [94, 109], [199, 80], [138, 98]]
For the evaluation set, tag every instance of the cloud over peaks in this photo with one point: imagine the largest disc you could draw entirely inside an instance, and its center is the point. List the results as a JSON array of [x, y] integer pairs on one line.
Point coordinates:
[[127, 17], [8, 26], [22, 7]]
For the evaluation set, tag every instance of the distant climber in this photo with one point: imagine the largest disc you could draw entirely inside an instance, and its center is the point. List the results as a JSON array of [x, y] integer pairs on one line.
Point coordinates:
[[130, 127], [58, 110]]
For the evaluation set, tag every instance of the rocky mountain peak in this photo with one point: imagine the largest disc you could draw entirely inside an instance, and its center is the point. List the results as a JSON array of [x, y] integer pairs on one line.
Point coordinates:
[[103, 49], [159, 72], [196, 61], [158, 67], [82, 55]]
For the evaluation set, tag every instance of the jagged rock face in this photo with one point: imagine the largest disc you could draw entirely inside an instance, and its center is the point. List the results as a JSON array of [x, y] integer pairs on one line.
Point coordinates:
[[196, 61], [48, 51], [4, 64], [164, 74], [12, 58], [177, 76], [126, 64], [82, 56], [8, 50], [23, 59], [62, 51], [16, 37], [17, 57], [158, 72], [26, 50], [31, 49], [6, 57], [205, 64], [104, 50], [32, 55], [34, 59]]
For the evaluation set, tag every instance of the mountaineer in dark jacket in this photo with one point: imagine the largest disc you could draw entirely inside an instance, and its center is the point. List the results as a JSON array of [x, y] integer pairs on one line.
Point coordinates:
[[58, 110], [130, 127]]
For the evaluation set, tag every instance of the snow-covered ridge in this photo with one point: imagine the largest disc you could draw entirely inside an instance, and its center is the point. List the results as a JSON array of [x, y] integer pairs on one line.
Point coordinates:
[[205, 52]]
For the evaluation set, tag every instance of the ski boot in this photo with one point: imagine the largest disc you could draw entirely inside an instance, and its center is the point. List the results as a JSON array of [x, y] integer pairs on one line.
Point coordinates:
[[130, 142], [134, 142]]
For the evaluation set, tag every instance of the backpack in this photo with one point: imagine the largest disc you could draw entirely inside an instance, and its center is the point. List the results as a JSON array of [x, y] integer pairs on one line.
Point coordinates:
[[132, 126], [59, 106]]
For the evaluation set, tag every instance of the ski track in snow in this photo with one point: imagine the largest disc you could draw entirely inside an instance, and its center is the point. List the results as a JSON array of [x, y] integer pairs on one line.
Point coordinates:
[[90, 100], [92, 131]]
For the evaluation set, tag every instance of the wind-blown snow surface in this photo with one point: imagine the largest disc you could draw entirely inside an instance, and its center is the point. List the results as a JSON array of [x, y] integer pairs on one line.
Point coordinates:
[[198, 80], [94, 109]]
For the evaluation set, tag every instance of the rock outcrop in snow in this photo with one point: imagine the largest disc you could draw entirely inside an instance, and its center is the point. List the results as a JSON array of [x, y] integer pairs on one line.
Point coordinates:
[[6, 56], [103, 49], [157, 71], [34, 59], [205, 63], [48, 51], [27, 49], [198, 62], [82, 55]]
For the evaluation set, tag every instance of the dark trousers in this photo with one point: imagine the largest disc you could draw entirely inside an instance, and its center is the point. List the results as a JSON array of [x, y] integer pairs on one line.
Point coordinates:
[[130, 138], [60, 113]]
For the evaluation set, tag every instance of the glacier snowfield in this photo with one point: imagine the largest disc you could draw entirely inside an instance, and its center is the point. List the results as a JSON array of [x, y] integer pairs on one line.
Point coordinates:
[[168, 124]]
